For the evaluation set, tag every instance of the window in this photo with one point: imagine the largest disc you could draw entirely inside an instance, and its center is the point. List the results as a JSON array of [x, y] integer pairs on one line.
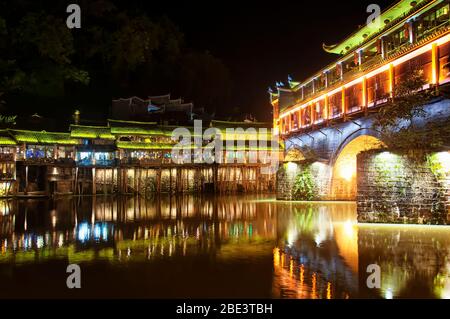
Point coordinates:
[[442, 12]]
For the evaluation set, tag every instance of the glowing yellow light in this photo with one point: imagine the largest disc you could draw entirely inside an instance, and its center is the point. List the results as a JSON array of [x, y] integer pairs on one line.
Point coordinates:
[[314, 286], [329, 290], [364, 87], [349, 228], [276, 257], [291, 267], [386, 156], [290, 167], [346, 171], [302, 274], [391, 79], [434, 63], [389, 294], [381, 69], [276, 131], [444, 159]]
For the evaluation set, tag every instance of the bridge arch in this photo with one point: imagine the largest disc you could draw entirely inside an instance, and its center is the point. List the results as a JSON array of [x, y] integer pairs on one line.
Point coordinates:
[[343, 162]]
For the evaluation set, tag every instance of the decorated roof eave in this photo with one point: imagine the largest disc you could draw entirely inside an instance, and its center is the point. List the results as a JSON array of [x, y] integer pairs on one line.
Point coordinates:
[[130, 131], [233, 125], [144, 146], [364, 34], [284, 89], [42, 137], [91, 132], [6, 139], [368, 42], [131, 122]]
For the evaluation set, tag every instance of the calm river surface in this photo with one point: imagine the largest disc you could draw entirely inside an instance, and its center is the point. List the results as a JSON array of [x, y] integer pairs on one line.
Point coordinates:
[[206, 247]]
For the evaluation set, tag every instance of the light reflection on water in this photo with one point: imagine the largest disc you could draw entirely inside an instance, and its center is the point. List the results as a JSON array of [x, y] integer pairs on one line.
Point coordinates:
[[214, 247]]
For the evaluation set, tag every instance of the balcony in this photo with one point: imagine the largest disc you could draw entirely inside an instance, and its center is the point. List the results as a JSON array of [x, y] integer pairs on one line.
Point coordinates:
[[7, 176], [6, 157], [39, 161], [444, 24], [87, 162], [145, 161]]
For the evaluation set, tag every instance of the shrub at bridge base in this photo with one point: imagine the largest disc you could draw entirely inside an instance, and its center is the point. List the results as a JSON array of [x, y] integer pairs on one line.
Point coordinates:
[[303, 181], [411, 188]]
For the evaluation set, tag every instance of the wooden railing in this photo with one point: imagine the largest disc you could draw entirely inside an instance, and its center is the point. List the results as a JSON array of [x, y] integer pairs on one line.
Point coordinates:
[[6, 157]]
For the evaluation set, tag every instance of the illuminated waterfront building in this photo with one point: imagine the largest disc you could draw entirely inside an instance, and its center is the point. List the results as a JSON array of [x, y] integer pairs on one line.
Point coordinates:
[[372, 61], [131, 157], [327, 120]]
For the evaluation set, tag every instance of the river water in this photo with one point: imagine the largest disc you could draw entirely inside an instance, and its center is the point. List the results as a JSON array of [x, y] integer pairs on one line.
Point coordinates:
[[213, 247]]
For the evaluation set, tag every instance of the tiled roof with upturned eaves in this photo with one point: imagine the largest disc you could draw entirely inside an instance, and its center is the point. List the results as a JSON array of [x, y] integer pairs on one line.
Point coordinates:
[[91, 132], [42, 137]]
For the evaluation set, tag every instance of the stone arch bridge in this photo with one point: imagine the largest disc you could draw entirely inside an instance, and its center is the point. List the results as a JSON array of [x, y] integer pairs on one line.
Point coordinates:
[[331, 152]]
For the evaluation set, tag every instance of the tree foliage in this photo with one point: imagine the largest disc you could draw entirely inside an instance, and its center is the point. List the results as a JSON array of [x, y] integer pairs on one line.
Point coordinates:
[[400, 120], [304, 186], [119, 51]]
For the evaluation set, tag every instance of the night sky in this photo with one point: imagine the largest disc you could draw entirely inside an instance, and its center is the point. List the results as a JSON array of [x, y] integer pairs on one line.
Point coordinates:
[[263, 42], [259, 42]]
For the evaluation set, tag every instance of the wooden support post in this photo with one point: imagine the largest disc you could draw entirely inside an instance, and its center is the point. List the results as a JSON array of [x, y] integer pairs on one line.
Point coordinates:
[[326, 114], [344, 104], [391, 80], [76, 181], [177, 179], [215, 177], [123, 180], [435, 64], [139, 170], [112, 180], [119, 180], [170, 180], [146, 179], [26, 180], [105, 189], [364, 95], [135, 181], [299, 115], [158, 180], [94, 185]]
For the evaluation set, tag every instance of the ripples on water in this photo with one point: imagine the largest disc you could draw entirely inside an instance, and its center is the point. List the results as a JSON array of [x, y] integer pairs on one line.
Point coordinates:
[[244, 247]]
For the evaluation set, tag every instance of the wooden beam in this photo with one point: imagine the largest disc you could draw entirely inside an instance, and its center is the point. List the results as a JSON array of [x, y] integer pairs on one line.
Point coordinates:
[[391, 79], [343, 106], [434, 64], [364, 95], [94, 186]]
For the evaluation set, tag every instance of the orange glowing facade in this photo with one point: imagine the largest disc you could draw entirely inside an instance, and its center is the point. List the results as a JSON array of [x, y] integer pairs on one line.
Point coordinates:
[[372, 61]]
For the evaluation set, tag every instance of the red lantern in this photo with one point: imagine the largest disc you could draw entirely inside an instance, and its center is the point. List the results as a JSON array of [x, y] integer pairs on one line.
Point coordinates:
[[379, 42], [338, 70], [406, 30]]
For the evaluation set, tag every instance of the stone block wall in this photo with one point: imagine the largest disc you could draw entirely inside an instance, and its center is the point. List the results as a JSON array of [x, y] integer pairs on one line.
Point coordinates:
[[286, 176], [289, 172], [411, 188]]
